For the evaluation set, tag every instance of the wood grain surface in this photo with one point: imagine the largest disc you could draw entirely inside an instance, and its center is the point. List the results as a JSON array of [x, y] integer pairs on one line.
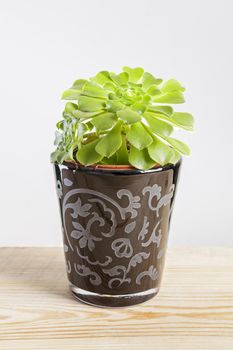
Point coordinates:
[[194, 309]]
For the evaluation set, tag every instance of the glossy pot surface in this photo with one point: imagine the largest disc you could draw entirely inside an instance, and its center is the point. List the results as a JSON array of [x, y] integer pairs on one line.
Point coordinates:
[[115, 226]]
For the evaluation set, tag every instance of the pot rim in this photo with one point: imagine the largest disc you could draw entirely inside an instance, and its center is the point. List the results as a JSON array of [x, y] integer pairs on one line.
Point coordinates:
[[116, 169]]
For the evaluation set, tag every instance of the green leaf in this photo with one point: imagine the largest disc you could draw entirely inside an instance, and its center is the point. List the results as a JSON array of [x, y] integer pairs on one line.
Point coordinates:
[[93, 90], [70, 107], [126, 112], [166, 110], [85, 115], [110, 86], [172, 121], [184, 120], [170, 97], [60, 124], [175, 157], [114, 105], [179, 146], [88, 124], [87, 155], [153, 90], [78, 84], [158, 126], [102, 78], [121, 78], [70, 94], [110, 143], [81, 129], [128, 115], [70, 154], [138, 136], [58, 138], [149, 80], [90, 104], [62, 155], [109, 161], [104, 121], [172, 85], [146, 99], [53, 156], [122, 153], [113, 96], [160, 152], [140, 159], [135, 74], [139, 107]]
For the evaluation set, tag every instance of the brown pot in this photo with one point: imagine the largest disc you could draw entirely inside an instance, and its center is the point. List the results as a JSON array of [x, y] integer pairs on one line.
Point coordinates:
[[115, 223]]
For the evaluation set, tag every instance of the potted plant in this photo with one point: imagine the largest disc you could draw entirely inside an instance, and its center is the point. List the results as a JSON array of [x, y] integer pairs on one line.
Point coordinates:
[[116, 168]]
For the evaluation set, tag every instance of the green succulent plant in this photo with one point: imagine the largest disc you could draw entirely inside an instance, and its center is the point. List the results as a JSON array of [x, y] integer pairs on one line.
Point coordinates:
[[124, 119]]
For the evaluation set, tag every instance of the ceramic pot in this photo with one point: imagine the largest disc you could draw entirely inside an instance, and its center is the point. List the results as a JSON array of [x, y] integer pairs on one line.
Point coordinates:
[[115, 223]]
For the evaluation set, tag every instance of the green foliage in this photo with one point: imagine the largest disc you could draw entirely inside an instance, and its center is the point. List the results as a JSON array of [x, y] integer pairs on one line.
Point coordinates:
[[122, 119], [110, 143]]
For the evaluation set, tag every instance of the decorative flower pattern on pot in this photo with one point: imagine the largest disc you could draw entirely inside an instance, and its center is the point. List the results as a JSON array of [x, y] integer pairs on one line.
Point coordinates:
[[122, 271], [83, 270], [79, 209], [144, 230], [151, 272], [84, 235], [122, 248], [134, 202], [91, 230], [155, 191], [155, 237]]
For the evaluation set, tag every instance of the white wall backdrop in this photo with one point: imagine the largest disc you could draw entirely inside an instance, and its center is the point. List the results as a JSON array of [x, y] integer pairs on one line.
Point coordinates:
[[45, 45]]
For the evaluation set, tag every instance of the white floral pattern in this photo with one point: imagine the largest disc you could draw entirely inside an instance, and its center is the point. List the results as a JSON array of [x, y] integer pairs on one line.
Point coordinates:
[[78, 208]]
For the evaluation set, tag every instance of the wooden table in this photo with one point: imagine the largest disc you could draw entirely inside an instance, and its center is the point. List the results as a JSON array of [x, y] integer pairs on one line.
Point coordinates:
[[194, 309]]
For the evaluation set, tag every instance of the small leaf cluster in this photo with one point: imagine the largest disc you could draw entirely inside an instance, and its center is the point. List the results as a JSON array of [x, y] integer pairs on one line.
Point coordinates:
[[122, 119]]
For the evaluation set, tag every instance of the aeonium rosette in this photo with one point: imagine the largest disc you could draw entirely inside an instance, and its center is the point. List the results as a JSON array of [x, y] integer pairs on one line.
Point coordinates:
[[124, 119]]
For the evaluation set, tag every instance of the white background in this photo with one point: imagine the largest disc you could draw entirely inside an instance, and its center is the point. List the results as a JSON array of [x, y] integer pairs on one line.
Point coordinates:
[[45, 45]]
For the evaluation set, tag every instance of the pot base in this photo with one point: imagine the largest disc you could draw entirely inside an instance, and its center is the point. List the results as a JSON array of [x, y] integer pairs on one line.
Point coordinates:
[[107, 300]]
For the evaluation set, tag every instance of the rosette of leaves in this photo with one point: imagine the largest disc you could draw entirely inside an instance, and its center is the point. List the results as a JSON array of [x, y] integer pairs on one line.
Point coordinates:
[[124, 119]]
